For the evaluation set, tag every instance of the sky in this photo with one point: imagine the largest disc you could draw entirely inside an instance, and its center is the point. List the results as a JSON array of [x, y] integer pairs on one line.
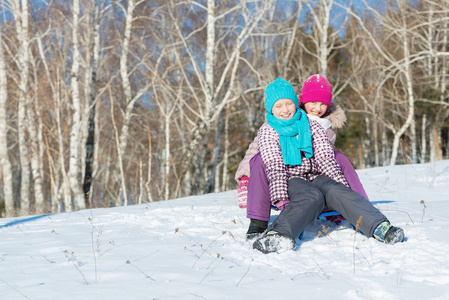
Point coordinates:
[[195, 248]]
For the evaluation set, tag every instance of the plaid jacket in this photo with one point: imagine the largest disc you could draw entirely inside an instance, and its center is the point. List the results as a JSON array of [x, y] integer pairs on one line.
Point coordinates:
[[322, 163]]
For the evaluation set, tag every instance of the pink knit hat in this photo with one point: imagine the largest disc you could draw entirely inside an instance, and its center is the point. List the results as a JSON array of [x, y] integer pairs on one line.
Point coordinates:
[[316, 88]]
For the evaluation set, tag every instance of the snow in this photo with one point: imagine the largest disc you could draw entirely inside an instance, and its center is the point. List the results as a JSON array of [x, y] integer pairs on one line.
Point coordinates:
[[194, 248]]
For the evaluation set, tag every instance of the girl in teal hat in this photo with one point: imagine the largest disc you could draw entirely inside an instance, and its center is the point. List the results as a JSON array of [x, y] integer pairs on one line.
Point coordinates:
[[301, 168]]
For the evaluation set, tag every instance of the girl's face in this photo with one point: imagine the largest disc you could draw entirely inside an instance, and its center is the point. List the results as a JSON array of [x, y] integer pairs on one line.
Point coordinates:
[[315, 108], [284, 109]]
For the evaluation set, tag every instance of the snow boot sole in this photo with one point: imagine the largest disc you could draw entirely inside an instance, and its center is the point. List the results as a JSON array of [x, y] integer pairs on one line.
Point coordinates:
[[273, 241], [394, 235]]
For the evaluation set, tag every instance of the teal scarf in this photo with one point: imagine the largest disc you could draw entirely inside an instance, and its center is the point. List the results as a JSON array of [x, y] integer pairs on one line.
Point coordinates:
[[294, 136]]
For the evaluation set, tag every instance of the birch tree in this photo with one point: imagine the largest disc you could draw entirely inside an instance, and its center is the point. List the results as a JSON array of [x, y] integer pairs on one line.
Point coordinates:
[[36, 143], [4, 157], [89, 120], [75, 133], [20, 12]]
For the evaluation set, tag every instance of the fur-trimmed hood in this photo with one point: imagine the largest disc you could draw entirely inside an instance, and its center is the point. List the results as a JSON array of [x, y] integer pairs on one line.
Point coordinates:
[[336, 115]]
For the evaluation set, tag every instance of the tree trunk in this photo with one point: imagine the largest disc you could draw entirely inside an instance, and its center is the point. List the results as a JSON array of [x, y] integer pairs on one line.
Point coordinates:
[[91, 108], [411, 105], [224, 184], [39, 203], [126, 85], [75, 134], [376, 142], [423, 139], [37, 146], [324, 37], [433, 145], [209, 90], [148, 183], [6, 171], [21, 16], [216, 152], [120, 161], [167, 157]]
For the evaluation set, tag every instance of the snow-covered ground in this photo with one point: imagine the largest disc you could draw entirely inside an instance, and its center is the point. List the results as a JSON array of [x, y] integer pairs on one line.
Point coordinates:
[[194, 248]]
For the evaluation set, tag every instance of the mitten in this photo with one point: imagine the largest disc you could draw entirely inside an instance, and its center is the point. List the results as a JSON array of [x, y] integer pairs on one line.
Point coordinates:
[[280, 205], [242, 192]]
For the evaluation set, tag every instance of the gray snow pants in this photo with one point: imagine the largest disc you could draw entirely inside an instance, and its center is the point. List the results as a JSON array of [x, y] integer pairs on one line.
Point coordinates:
[[307, 200]]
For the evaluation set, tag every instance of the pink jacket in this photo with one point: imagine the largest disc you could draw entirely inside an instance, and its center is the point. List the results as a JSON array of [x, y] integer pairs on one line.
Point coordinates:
[[334, 114]]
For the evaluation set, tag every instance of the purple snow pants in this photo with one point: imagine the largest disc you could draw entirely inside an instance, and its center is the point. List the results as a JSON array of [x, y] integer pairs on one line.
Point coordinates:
[[259, 200]]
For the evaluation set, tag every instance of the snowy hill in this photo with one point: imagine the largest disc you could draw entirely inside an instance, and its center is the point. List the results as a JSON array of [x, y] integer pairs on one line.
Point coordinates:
[[194, 248]]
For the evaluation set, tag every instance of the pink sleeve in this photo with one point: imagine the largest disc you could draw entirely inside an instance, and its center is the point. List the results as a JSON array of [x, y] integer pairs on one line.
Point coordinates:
[[243, 168]]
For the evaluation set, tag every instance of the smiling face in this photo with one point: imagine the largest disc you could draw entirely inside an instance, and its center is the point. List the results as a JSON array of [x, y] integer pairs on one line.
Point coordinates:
[[315, 108], [284, 109]]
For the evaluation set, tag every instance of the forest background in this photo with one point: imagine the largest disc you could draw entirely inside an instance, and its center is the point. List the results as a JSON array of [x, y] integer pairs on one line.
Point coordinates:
[[109, 103]]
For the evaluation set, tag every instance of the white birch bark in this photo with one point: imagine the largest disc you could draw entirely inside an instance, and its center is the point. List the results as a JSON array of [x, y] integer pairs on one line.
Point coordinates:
[[120, 161], [376, 142], [89, 118], [444, 78], [148, 183], [39, 203], [210, 54], [125, 79], [209, 90], [20, 11], [4, 157], [432, 143], [167, 157], [95, 63], [36, 143], [224, 184], [423, 139], [75, 133], [140, 197], [430, 41], [126, 85], [385, 148]]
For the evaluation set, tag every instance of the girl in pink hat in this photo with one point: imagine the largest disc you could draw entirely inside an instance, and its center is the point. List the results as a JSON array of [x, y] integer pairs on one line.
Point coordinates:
[[299, 169], [253, 191]]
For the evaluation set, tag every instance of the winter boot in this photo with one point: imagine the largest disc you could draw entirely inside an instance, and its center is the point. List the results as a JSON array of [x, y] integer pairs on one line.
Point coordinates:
[[256, 229], [388, 234], [273, 241], [394, 235]]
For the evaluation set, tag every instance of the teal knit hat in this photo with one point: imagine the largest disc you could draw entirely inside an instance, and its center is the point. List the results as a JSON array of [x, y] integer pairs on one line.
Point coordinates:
[[279, 89]]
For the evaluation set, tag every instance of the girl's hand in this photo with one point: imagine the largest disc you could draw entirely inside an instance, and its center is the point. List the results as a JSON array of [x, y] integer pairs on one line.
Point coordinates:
[[282, 204]]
